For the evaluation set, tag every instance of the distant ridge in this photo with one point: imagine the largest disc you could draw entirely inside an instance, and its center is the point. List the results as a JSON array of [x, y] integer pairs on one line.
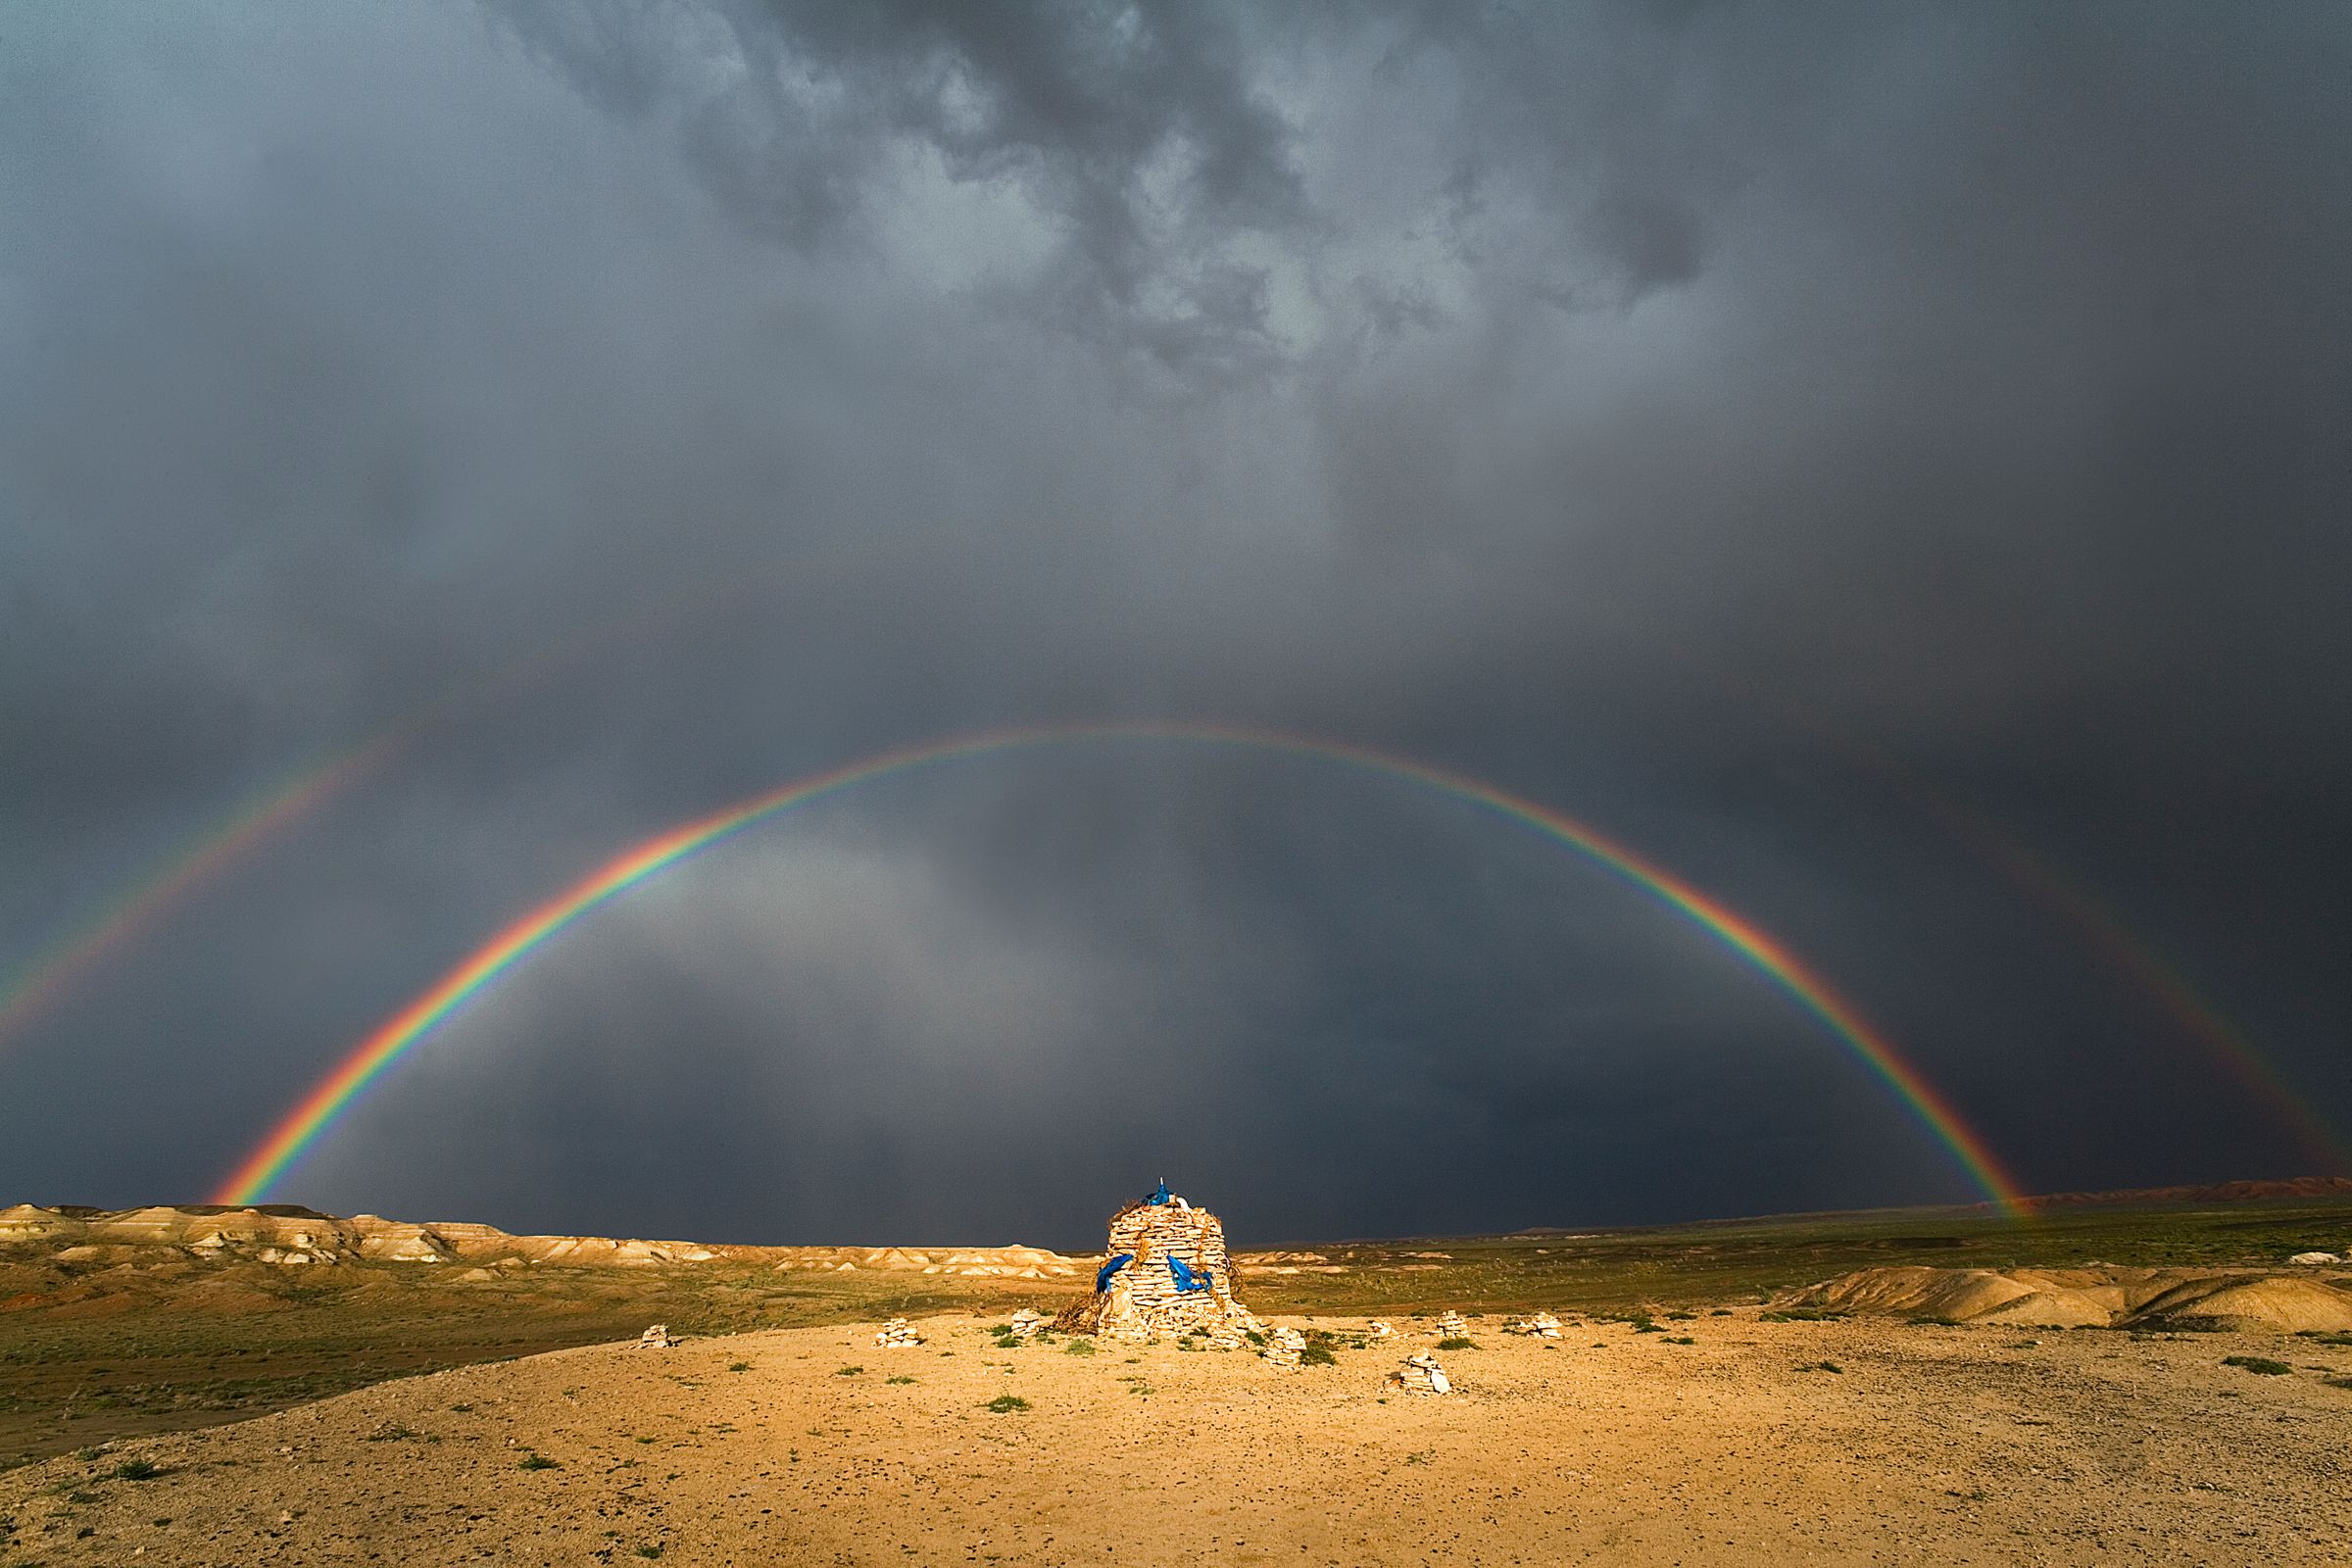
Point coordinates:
[[2241, 1192], [2284, 1187]]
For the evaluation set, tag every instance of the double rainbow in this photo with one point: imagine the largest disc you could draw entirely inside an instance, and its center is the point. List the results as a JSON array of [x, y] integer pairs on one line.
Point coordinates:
[[334, 1094]]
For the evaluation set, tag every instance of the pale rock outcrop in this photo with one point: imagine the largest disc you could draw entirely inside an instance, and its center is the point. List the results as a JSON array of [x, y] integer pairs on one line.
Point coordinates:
[[2103, 1296], [288, 1235]]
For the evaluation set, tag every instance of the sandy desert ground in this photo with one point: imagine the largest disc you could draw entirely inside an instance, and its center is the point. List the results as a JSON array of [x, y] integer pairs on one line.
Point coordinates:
[[1928, 1444]]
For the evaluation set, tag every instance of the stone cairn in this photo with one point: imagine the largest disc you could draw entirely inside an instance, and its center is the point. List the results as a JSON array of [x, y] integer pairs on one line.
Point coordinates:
[[1542, 1326], [1283, 1346], [1167, 1273], [656, 1338], [897, 1334], [1377, 1330], [1451, 1326], [1025, 1324], [1421, 1374]]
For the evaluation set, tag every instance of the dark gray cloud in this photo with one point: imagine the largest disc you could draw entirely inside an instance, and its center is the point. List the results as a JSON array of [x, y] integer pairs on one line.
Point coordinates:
[[1744, 428]]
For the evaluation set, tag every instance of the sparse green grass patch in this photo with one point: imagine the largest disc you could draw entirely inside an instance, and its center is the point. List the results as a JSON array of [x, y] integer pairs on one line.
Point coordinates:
[[537, 1461], [1079, 1348], [1457, 1343], [2260, 1365], [1007, 1404]]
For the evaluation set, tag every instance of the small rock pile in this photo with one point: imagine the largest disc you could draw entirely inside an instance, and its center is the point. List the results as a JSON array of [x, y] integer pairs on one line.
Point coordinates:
[[1451, 1326], [1421, 1374], [1543, 1325], [1226, 1337], [1283, 1346], [1025, 1324], [898, 1333], [1377, 1330], [656, 1338]]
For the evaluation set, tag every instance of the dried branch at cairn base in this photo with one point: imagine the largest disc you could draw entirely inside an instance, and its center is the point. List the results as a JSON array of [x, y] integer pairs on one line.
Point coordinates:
[[898, 1333], [1141, 1300], [1421, 1374]]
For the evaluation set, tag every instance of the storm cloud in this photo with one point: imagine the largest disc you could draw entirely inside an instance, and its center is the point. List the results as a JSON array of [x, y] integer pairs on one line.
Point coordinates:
[[1789, 440]]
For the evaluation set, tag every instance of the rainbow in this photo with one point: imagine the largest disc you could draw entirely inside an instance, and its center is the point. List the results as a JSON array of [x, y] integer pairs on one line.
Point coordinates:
[[66, 962], [2106, 934], [2099, 928], [67, 959], [334, 1094], [2167, 987]]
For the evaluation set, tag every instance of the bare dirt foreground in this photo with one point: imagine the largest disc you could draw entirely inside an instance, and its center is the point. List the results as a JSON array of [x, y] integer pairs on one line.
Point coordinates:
[[1928, 1443]]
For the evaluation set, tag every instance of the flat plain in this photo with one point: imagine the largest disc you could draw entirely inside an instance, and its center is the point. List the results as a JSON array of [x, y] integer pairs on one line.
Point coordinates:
[[1681, 1418]]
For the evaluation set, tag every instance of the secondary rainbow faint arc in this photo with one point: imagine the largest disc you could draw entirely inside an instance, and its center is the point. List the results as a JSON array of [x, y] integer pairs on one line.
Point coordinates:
[[333, 1095]]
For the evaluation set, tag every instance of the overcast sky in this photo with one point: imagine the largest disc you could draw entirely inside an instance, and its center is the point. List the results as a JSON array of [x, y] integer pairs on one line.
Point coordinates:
[[1799, 441]]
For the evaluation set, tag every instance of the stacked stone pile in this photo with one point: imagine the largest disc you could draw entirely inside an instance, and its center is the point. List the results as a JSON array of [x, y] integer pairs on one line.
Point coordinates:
[[897, 1334], [1226, 1337], [1451, 1326], [1377, 1330], [1025, 1324], [1421, 1374], [1167, 1273], [1541, 1325], [656, 1338], [1283, 1346]]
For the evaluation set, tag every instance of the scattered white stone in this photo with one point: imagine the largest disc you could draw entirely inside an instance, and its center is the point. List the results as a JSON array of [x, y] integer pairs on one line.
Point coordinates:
[[1377, 1330], [898, 1333], [656, 1338], [1421, 1374]]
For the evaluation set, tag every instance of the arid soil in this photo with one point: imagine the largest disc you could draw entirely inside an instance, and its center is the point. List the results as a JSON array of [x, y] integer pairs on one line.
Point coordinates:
[[1924, 1445]]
